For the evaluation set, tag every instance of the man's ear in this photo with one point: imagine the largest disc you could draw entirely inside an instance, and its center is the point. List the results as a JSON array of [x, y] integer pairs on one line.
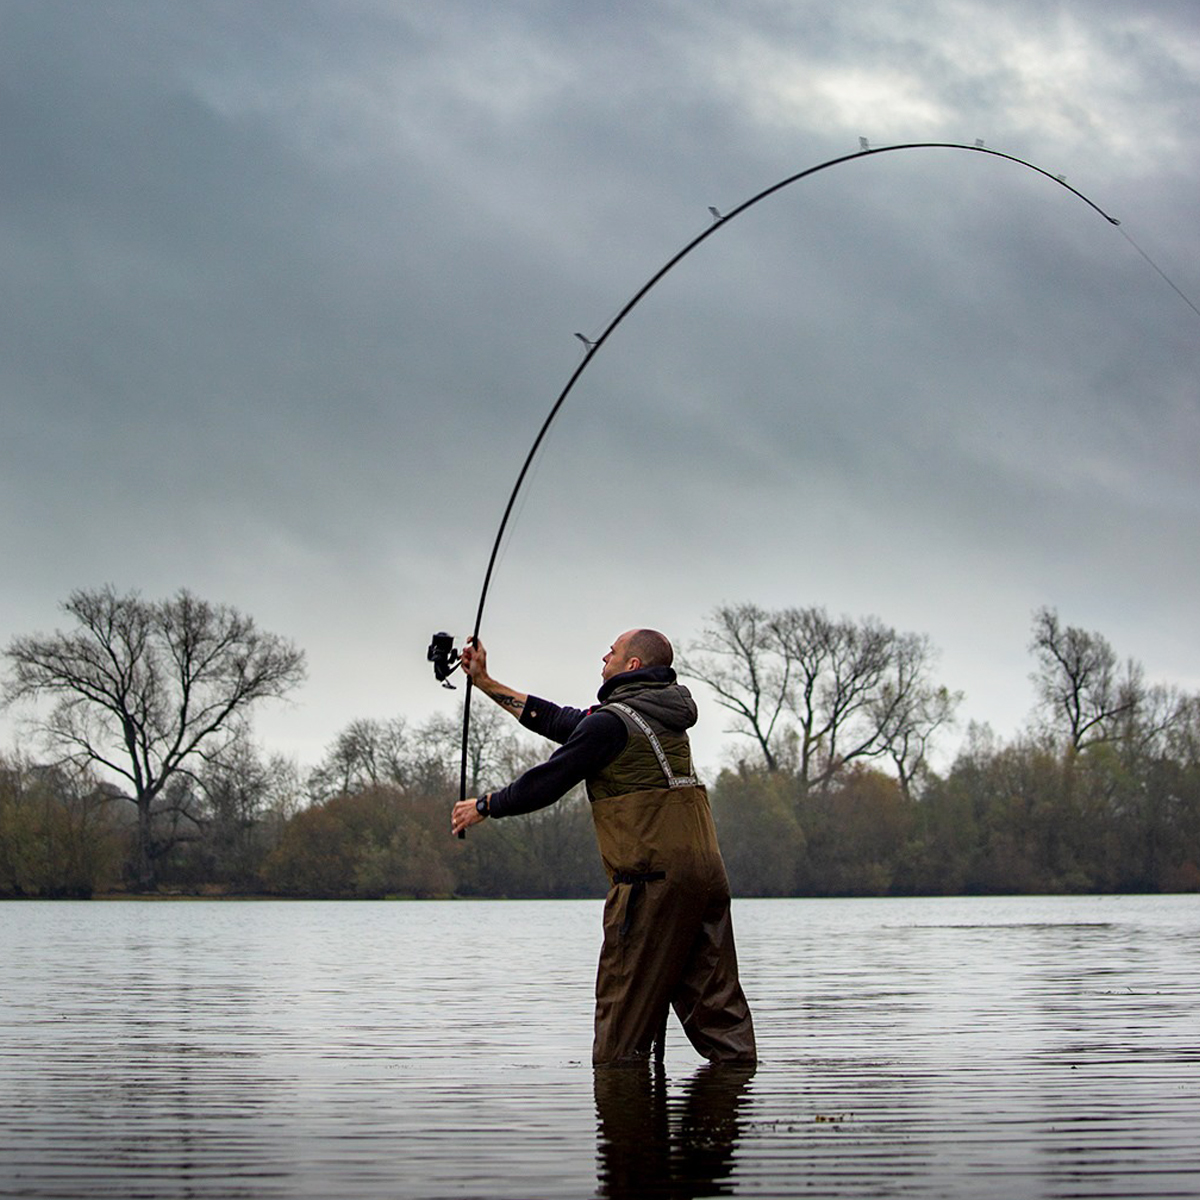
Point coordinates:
[[634, 664]]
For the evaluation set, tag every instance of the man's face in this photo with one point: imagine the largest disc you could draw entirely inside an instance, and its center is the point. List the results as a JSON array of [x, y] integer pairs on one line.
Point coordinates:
[[617, 659]]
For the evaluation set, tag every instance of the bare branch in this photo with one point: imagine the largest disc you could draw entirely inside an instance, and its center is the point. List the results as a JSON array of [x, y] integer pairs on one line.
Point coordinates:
[[739, 657]]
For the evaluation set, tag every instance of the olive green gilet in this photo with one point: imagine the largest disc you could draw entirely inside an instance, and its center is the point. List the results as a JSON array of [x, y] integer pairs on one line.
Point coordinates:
[[638, 767]]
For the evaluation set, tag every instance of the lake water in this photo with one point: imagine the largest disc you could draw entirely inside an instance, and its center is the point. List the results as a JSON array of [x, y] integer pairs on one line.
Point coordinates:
[[1008, 1048]]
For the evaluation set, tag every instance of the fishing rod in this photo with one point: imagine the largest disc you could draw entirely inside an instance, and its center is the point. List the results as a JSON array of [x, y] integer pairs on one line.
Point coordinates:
[[441, 653]]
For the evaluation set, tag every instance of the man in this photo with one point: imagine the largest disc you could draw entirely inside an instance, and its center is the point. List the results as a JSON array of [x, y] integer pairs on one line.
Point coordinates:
[[668, 938]]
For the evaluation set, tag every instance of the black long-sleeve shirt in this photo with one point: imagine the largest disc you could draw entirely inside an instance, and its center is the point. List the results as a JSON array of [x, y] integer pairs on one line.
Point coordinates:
[[589, 739], [588, 742]]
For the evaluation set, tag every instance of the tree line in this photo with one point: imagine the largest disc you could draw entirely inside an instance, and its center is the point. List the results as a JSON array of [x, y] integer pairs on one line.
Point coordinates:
[[146, 777]]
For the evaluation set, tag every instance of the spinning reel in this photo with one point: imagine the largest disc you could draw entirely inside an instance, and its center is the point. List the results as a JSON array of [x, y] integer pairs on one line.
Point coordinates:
[[445, 658]]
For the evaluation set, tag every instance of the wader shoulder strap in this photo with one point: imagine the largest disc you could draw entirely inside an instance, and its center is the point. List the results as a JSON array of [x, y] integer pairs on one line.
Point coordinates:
[[673, 780]]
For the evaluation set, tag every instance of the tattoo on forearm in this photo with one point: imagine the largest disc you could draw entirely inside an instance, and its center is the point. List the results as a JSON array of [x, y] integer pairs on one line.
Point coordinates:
[[513, 702]]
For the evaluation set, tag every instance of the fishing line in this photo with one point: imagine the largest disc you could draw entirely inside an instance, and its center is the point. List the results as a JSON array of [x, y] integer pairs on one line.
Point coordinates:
[[519, 510], [719, 221], [1169, 281]]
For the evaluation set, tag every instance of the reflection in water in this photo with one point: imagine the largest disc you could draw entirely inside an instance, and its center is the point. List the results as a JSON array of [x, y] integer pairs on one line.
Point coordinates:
[[648, 1147], [1015, 1048]]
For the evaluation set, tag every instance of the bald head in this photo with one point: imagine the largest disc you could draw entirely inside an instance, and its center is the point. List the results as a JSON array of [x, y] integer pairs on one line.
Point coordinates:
[[651, 647], [637, 648]]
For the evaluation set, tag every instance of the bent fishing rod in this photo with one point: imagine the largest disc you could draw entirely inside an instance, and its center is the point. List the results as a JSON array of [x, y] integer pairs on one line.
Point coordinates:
[[441, 653]]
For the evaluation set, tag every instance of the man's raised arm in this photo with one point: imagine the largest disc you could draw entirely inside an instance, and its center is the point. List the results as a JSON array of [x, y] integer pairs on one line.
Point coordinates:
[[474, 665]]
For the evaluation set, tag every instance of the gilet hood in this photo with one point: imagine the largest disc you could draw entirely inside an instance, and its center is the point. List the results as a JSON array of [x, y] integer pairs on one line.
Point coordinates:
[[655, 694]]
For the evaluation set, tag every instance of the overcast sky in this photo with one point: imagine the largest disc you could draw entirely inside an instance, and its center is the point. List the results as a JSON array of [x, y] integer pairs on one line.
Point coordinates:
[[288, 289]]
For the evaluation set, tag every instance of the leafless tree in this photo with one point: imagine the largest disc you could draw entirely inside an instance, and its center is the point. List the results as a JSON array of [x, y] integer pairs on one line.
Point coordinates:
[[366, 754], [855, 688], [910, 708], [241, 801], [738, 656], [149, 690], [1180, 730], [838, 669], [1079, 685], [494, 748], [370, 753]]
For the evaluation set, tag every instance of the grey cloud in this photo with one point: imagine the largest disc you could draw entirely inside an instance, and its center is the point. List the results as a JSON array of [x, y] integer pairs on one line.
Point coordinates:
[[291, 287]]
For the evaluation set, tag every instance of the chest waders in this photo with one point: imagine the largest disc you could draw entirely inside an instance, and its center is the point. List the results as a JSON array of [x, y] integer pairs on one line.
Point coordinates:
[[668, 937]]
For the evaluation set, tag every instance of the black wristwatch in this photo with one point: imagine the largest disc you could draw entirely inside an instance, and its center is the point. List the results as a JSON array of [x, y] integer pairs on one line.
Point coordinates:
[[481, 805]]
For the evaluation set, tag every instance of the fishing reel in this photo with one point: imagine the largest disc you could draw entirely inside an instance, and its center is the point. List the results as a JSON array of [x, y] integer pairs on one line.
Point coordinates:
[[444, 657]]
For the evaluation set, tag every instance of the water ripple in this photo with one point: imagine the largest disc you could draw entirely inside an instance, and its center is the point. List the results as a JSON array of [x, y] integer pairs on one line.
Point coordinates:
[[993, 1048]]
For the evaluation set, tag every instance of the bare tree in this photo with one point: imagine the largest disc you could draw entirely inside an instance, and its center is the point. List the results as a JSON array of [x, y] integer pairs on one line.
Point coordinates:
[[370, 753], [243, 800], [493, 748], [1078, 683], [1182, 735], [838, 670], [366, 754], [738, 656], [146, 690], [856, 689], [909, 708]]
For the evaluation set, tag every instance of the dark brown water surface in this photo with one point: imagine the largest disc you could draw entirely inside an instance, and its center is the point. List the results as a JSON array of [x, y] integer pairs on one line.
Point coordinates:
[[1008, 1048]]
